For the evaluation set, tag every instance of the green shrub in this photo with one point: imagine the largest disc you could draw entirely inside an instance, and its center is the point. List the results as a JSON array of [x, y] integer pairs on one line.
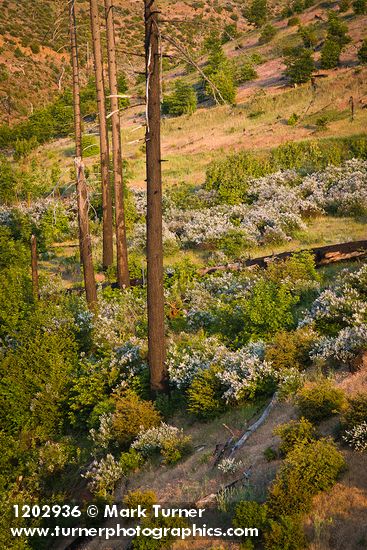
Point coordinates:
[[330, 54], [229, 176], [360, 7], [362, 52], [267, 34], [307, 470], [250, 514], [130, 462], [257, 12], [337, 30], [285, 534], [290, 349], [7, 181], [4, 74], [146, 499], [355, 412], [308, 35], [35, 47], [344, 5], [131, 415], [219, 70], [246, 72], [300, 64], [295, 432], [204, 395], [293, 119], [317, 401], [293, 21], [181, 102], [270, 454]]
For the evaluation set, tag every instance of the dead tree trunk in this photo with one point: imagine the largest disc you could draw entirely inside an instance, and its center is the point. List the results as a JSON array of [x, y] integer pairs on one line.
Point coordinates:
[[103, 138], [123, 278], [156, 332], [85, 244], [34, 264]]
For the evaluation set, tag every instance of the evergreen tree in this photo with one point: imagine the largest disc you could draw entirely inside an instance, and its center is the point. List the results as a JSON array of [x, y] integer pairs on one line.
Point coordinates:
[[219, 71], [181, 102], [300, 65], [362, 52], [330, 54], [257, 13]]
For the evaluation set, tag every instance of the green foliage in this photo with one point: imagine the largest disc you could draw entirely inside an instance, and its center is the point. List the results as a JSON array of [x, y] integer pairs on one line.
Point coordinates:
[[219, 71], [319, 400], [344, 5], [35, 47], [23, 147], [337, 30], [362, 52], [132, 414], [146, 499], [267, 34], [230, 32], [130, 462], [330, 54], [204, 395], [229, 176], [4, 74], [294, 433], [285, 534], [90, 146], [268, 310], [300, 65], [293, 119], [257, 12], [290, 349], [270, 454], [360, 7], [181, 102], [355, 412], [250, 514], [293, 21], [308, 35], [307, 470], [7, 181], [246, 72]]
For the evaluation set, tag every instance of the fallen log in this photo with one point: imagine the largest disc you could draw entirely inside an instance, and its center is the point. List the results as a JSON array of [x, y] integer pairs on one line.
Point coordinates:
[[341, 252], [249, 431]]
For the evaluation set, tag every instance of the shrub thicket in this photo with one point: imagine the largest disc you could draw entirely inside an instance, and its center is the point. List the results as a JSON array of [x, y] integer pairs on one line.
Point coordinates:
[[294, 433], [131, 415], [319, 400], [267, 33]]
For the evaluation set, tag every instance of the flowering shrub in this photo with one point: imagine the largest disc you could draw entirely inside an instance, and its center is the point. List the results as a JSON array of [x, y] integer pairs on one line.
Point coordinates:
[[344, 347], [169, 441], [229, 465], [103, 476], [357, 437]]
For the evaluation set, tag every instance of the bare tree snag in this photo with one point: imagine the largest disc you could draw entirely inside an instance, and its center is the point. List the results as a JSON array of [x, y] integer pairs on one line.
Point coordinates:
[[123, 278], [34, 265], [103, 137], [85, 244], [156, 331]]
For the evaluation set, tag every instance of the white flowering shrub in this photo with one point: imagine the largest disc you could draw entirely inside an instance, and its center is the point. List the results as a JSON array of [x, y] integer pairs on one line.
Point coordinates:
[[168, 440], [357, 437], [103, 475], [343, 304], [229, 465], [344, 347], [103, 436], [339, 189]]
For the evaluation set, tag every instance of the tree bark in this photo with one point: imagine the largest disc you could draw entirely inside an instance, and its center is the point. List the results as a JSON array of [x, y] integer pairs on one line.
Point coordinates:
[[34, 264], [85, 244], [156, 331], [103, 137], [123, 278]]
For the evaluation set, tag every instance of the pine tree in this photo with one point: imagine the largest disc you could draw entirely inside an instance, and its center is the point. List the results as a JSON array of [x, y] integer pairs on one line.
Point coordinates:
[[300, 65]]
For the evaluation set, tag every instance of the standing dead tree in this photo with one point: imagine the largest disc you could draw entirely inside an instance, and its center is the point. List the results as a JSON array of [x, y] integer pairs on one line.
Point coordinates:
[[85, 244], [156, 329], [123, 278], [103, 137]]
